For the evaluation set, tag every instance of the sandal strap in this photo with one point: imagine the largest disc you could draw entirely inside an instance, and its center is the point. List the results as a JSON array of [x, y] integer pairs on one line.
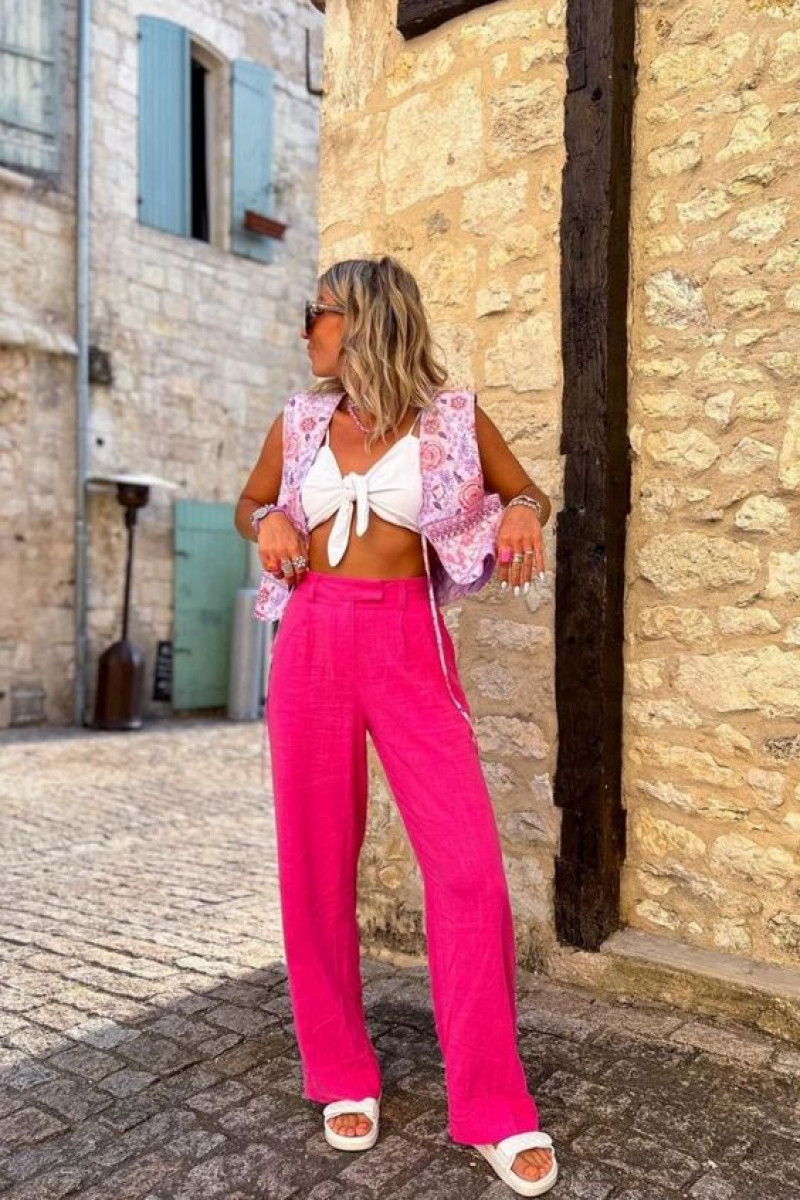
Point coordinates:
[[369, 1106], [510, 1147]]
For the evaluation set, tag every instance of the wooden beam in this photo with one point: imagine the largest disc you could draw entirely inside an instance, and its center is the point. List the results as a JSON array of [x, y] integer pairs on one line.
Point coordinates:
[[419, 16], [590, 544]]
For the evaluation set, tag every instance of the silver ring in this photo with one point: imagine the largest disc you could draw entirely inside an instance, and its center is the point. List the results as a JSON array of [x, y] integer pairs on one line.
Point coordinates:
[[518, 558], [300, 561], [531, 552], [286, 566]]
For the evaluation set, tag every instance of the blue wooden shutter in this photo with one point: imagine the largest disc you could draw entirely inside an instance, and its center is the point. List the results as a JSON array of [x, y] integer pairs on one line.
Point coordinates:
[[251, 136], [164, 126], [29, 82], [211, 561]]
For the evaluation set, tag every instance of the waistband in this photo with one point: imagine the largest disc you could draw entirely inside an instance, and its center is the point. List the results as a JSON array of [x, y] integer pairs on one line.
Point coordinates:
[[394, 593]]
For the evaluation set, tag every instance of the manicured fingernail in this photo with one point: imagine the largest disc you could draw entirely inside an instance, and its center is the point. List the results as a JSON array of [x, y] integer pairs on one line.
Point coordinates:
[[503, 585], [526, 588], [516, 589], [541, 576]]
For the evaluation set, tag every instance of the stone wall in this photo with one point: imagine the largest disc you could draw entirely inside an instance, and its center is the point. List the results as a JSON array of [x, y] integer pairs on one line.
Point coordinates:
[[37, 351], [204, 344], [712, 767], [446, 151]]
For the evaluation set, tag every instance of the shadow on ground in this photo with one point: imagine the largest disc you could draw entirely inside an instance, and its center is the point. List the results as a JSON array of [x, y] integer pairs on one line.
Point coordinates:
[[202, 1099], [147, 1049]]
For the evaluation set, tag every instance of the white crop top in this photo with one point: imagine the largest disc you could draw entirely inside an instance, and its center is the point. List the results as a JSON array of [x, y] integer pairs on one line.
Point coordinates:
[[392, 487]]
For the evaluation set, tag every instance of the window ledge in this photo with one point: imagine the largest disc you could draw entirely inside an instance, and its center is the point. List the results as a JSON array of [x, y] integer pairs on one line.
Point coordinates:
[[29, 335], [16, 179]]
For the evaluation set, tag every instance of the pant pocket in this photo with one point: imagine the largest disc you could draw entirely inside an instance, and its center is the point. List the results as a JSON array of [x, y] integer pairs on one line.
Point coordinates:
[[288, 665]]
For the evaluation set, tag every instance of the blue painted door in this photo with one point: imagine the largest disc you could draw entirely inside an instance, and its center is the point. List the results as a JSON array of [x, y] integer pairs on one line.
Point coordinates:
[[211, 562]]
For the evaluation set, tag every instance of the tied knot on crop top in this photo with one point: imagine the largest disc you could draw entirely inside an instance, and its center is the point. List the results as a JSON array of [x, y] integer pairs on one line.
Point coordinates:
[[392, 487]]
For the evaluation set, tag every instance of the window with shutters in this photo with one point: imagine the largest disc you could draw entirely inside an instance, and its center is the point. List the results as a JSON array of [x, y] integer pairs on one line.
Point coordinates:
[[177, 87], [179, 94], [29, 82]]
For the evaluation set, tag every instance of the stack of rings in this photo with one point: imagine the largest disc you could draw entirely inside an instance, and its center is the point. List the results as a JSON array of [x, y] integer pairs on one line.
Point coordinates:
[[506, 555], [288, 564]]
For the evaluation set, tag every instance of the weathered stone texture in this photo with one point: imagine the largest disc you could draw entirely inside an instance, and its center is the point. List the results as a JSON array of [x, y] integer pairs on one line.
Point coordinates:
[[204, 345], [715, 430]]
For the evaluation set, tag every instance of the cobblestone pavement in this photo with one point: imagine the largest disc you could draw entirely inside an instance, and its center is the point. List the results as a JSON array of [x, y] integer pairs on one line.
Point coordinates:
[[146, 1043]]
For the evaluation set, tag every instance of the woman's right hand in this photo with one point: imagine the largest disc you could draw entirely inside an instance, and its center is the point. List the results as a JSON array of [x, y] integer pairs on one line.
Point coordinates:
[[279, 541]]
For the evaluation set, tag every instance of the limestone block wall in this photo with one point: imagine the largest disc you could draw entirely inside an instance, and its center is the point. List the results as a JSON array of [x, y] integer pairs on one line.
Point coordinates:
[[204, 344], [446, 151], [712, 766], [37, 371]]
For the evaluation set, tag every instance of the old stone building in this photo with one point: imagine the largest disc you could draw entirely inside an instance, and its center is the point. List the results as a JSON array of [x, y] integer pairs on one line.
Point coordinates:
[[600, 203], [198, 114], [451, 130]]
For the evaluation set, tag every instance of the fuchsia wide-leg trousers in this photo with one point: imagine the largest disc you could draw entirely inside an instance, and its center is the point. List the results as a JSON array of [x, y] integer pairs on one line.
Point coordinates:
[[357, 656]]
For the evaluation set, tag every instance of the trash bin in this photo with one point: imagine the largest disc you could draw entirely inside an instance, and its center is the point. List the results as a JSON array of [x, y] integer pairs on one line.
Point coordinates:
[[245, 691], [251, 644]]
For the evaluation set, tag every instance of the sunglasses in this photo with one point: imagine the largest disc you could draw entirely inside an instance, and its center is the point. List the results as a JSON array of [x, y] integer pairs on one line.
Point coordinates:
[[314, 310]]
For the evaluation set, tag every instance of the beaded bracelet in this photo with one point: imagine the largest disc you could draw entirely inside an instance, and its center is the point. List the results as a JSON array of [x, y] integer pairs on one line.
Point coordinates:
[[527, 502]]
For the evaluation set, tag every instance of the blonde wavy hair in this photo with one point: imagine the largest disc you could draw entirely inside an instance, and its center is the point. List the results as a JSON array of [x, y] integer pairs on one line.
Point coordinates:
[[389, 362]]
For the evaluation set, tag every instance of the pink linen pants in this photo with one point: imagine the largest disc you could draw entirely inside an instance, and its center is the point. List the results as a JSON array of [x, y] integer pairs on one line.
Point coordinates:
[[357, 656]]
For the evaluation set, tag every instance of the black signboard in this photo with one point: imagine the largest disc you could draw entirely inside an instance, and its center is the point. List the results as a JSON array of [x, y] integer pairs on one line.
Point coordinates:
[[162, 681]]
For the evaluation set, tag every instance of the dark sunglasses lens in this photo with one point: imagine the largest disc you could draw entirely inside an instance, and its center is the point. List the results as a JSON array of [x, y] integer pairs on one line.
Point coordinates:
[[309, 316]]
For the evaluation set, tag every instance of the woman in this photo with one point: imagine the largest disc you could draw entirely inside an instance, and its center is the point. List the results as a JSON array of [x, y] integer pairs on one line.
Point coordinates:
[[362, 647]]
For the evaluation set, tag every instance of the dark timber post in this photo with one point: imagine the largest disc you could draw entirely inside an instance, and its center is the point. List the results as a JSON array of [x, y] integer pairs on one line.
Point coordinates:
[[590, 533]]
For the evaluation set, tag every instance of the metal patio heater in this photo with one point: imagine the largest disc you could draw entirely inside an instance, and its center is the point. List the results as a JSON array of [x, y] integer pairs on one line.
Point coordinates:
[[120, 671]]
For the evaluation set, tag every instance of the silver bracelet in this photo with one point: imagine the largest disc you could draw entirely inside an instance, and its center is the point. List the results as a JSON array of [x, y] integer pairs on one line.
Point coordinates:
[[258, 514], [527, 502]]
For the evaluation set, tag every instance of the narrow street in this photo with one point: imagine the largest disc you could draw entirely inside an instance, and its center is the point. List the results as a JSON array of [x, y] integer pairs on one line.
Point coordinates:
[[146, 1041]]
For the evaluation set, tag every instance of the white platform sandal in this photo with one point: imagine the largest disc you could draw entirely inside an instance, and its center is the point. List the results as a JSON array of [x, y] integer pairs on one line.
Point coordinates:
[[503, 1154], [370, 1106]]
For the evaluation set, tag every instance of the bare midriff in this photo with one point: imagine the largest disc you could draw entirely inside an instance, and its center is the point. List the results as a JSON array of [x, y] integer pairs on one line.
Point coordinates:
[[384, 550]]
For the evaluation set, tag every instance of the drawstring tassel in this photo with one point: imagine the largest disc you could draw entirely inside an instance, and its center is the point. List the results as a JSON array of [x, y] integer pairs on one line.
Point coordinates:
[[438, 632], [268, 646]]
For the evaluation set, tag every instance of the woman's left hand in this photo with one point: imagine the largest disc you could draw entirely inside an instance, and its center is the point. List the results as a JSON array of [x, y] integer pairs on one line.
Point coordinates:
[[520, 544]]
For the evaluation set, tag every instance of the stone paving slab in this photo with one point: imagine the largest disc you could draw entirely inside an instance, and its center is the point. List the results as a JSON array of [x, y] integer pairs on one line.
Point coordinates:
[[146, 1042]]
